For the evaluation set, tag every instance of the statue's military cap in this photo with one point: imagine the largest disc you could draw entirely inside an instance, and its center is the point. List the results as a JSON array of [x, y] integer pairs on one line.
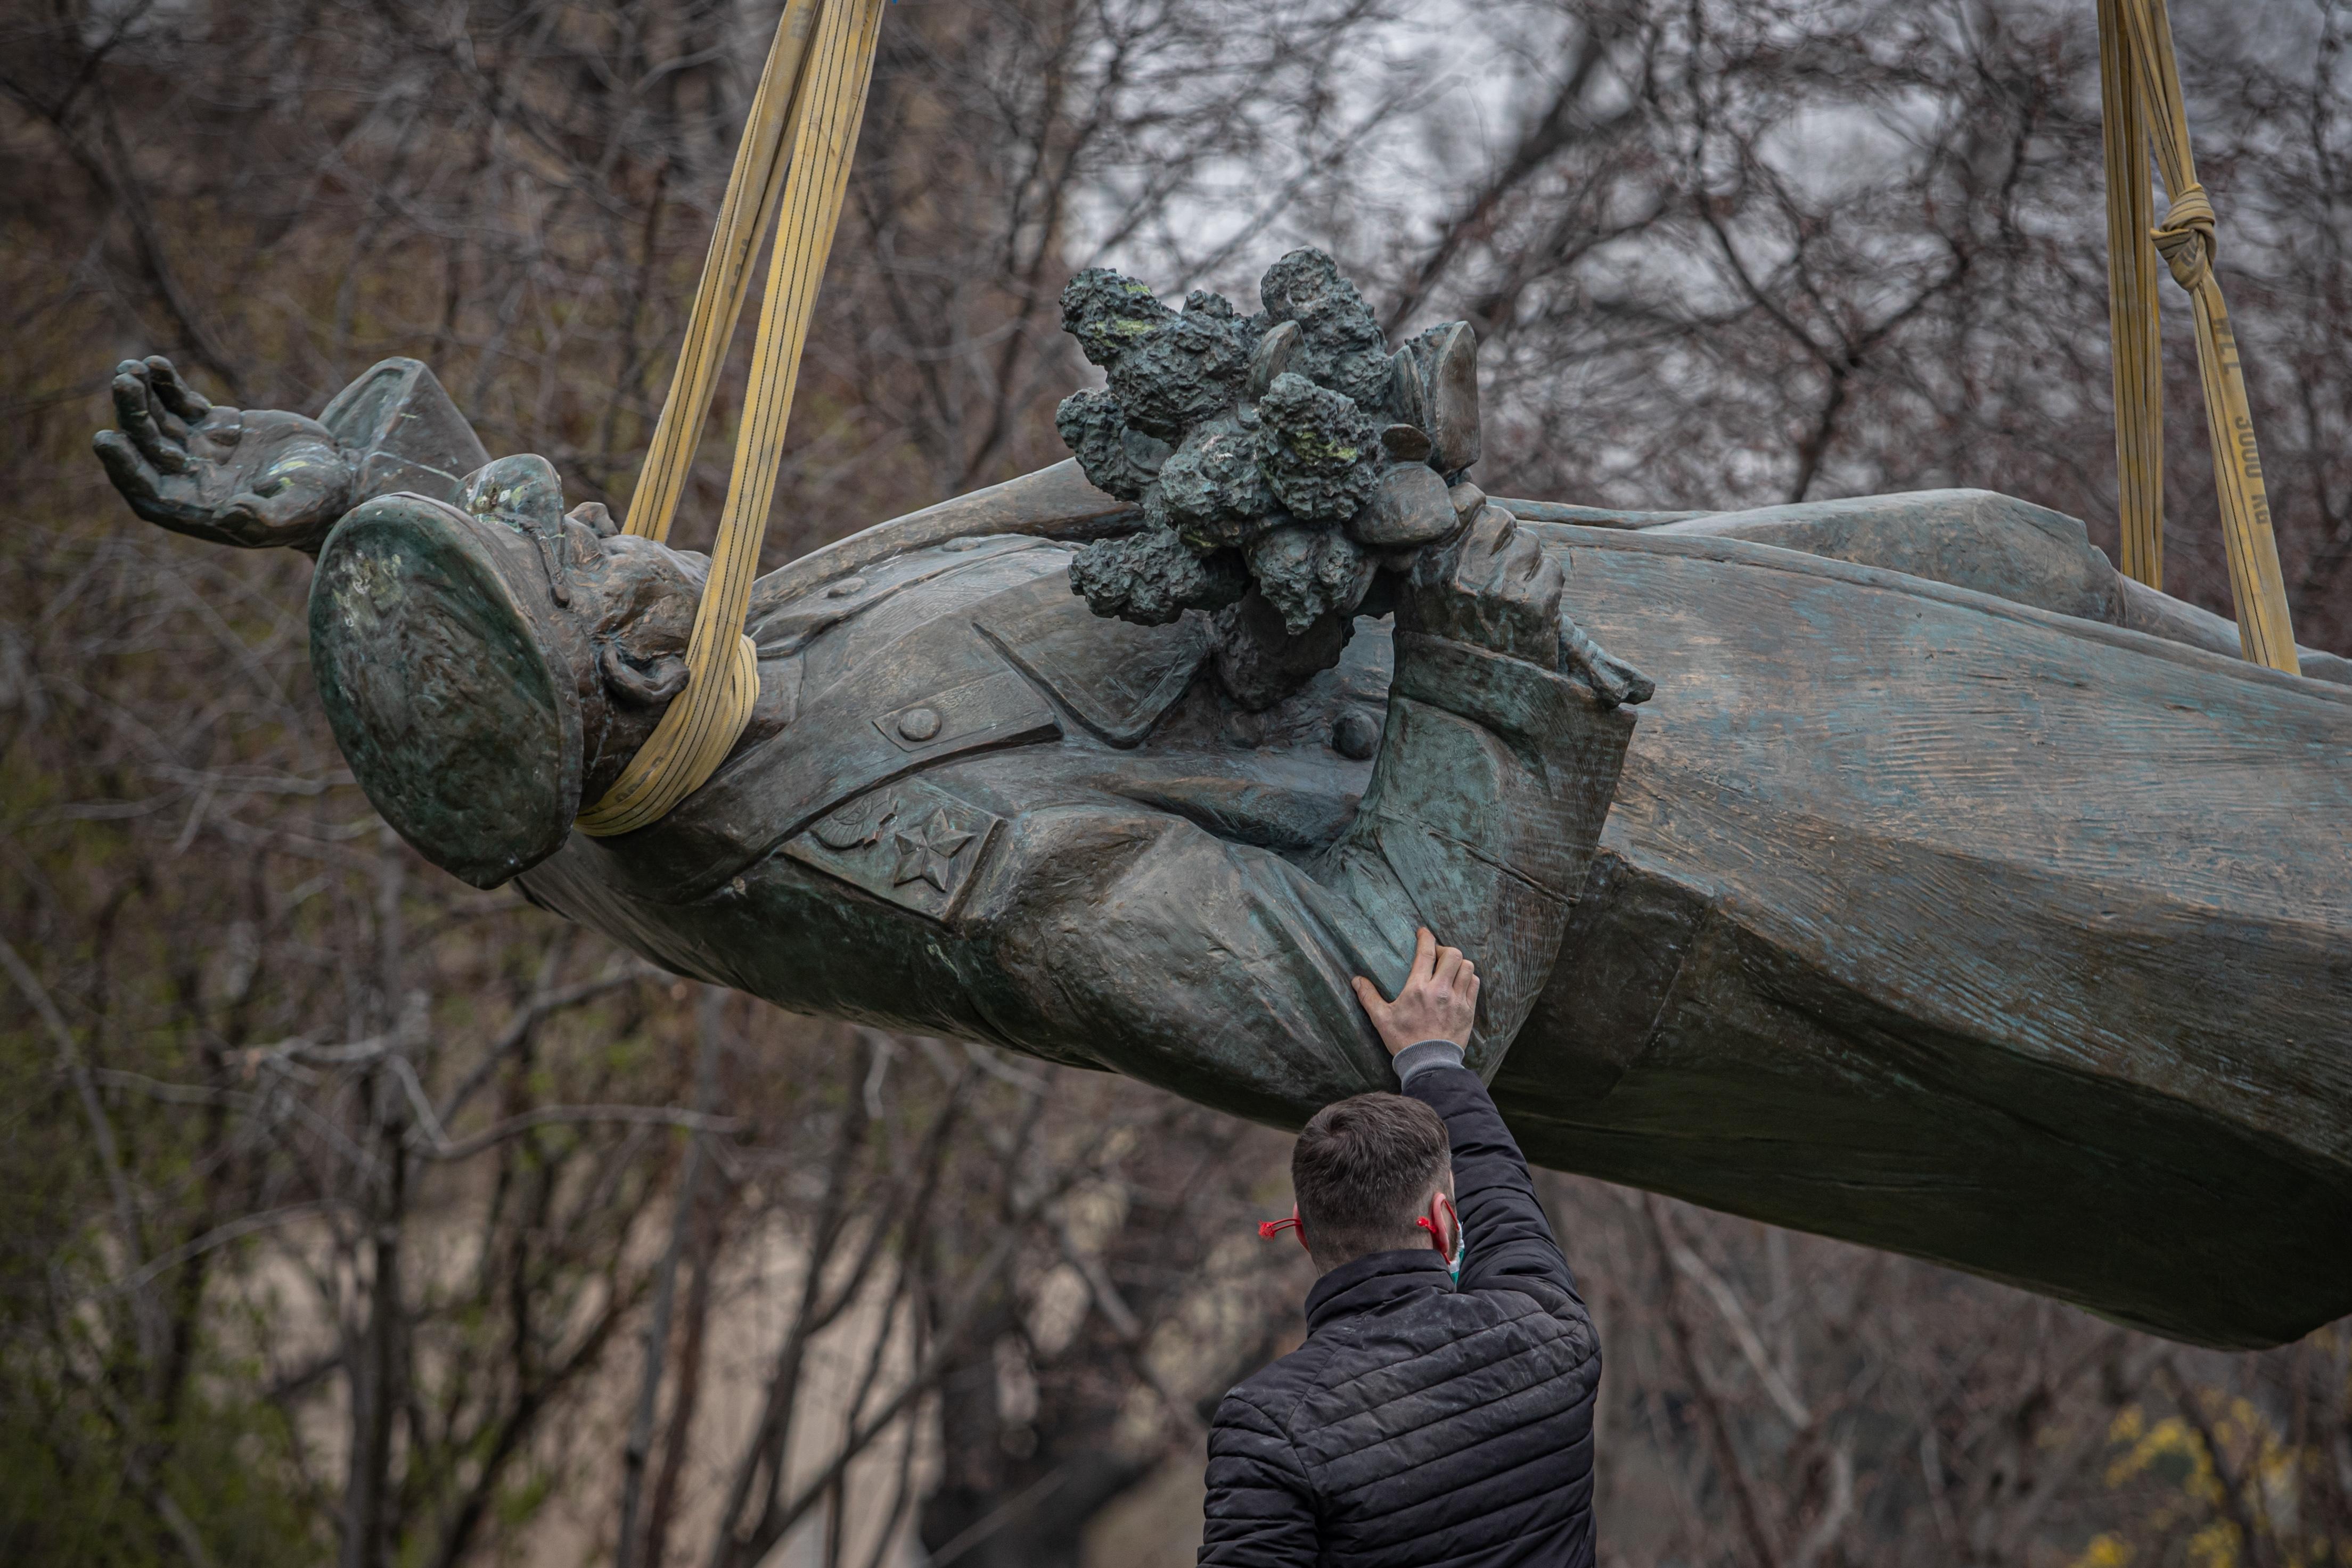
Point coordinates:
[[448, 686]]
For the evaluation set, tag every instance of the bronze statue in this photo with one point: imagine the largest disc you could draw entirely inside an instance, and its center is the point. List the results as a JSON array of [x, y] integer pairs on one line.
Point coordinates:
[[1953, 900]]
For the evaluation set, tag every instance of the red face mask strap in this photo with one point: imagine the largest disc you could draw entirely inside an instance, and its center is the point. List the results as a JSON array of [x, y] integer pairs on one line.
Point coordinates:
[[1429, 1222], [1268, 1230]]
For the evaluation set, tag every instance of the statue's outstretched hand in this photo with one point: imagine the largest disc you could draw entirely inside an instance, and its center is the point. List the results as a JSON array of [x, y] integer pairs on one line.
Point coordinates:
[[239, 476], [1498, 589]]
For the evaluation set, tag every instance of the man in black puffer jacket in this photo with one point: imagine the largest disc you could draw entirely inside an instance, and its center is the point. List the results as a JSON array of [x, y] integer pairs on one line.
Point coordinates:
[[1428, 1419]]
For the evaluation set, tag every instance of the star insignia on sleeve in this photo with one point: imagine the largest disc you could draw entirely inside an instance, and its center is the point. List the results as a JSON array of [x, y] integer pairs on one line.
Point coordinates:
[[927, 854]]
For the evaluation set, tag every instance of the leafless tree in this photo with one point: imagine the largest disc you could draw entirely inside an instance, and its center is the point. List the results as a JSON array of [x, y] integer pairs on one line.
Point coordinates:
[[349, 1212], [1734, 252]]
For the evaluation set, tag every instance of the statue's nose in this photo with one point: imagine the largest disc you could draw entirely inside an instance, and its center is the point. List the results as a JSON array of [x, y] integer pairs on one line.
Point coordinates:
[[523, 493]]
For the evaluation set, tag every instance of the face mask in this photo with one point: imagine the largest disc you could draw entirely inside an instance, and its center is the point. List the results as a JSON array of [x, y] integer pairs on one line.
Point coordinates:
[[1269, 1229]]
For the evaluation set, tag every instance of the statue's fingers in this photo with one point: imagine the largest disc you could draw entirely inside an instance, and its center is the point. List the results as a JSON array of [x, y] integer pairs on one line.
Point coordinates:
[[283, 508], [130, 472], [174, 392], [161, 500], [1639, 687], [138, 421], [130, 390], [1580, 653], [1485, 569], [1610, 679], [1515, 557]]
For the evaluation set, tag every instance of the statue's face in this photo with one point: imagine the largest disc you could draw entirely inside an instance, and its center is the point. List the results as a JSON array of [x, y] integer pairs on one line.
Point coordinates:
[[490, 667], [636, 602], [618, 611], [625, 603]]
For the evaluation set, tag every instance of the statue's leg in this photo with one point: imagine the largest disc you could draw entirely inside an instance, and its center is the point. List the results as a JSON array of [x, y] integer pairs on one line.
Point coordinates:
[[1994, 544]]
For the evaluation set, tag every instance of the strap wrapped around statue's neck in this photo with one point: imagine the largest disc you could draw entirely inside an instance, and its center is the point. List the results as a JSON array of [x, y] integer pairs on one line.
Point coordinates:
[[811, 99]]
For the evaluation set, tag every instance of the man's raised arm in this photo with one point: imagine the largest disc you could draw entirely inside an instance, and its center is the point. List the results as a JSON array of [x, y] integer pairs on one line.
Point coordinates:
[[1426, 1030], [1221, 969]]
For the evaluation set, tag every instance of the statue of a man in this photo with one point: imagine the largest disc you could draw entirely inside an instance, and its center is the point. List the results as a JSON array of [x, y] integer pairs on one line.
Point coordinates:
[[968, 805]]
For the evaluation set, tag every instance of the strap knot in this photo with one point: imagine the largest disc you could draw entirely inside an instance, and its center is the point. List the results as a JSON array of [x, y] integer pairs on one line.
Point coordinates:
[[2184, 238]]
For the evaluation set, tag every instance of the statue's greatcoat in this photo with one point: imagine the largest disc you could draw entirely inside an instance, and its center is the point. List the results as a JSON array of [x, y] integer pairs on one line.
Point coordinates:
[[1942, 907], [1939, 966], [993, 814]]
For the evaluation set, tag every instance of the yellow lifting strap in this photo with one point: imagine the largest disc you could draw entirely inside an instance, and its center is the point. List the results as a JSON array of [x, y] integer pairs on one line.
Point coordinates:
[[810, 103], [2140, 81]]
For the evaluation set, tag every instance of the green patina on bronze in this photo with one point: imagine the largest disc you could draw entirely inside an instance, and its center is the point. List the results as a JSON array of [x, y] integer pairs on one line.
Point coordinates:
[[1952, 896], [437, 680]]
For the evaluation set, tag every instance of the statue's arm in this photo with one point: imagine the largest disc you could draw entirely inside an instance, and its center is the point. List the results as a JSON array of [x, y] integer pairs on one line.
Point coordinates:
[[258, 477], [1223, 970]]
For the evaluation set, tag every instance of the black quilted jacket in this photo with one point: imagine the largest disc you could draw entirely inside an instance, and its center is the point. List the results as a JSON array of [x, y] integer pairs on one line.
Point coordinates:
[[1424, 1424]]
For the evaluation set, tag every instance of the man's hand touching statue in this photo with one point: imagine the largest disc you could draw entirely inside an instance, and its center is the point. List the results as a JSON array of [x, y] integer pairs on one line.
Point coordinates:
[[1439, 999], [251, 478]]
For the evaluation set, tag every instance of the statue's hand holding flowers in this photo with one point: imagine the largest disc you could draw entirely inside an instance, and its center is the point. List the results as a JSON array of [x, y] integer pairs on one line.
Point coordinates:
[[1283, 461]]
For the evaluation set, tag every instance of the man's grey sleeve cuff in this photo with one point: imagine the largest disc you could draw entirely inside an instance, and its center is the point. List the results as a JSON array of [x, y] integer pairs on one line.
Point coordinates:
[[1421, 1058]]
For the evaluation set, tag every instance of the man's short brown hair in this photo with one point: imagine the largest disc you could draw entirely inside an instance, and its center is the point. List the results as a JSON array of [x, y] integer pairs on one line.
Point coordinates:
[[1362, 1169]]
